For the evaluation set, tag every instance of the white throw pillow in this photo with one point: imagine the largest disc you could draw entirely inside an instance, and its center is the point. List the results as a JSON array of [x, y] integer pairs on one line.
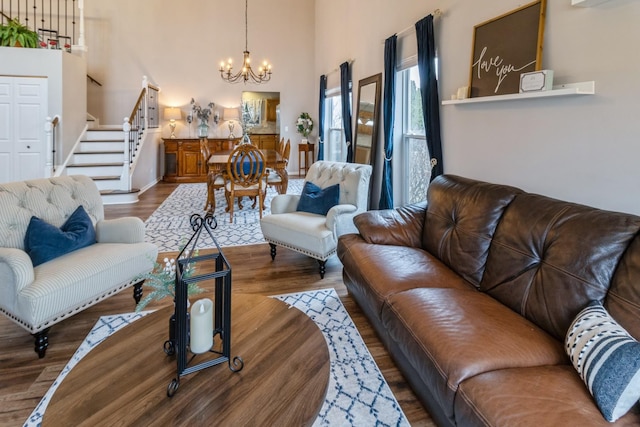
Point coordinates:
[[607, 358]]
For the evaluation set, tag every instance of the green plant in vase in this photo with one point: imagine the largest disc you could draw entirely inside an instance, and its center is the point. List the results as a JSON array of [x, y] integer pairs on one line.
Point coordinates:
[[162, 281], [13, 33]]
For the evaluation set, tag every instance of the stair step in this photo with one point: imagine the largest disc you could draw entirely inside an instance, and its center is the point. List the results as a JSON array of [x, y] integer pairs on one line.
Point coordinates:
[[101, 140], [119, 197], [133, 190], [105, 178], [91, 165], [101, 152]]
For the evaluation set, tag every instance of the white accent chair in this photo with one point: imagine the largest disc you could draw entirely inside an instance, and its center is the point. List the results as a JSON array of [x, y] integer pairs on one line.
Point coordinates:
[[38, 297], [313, 234]]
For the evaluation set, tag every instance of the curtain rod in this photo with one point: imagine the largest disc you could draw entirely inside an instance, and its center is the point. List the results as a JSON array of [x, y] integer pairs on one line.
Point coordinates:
[[350, 61], [436, 14]]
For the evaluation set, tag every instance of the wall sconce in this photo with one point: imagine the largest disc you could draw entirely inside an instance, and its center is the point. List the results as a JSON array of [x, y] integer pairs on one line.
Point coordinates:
[[172, 114], [231, 115]]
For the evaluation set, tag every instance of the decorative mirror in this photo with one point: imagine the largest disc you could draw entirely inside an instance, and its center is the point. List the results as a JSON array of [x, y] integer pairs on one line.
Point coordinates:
[[367, 116], [261, 112]]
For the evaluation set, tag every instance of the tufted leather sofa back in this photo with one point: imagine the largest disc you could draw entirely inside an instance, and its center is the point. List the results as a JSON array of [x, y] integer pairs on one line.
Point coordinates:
[[550, 258], [353, 179], [51, 199], [623, 299], [461, 218]]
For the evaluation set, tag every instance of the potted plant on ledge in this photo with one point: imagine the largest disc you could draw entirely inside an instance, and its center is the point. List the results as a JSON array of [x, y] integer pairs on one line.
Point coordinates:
[[13, 33]]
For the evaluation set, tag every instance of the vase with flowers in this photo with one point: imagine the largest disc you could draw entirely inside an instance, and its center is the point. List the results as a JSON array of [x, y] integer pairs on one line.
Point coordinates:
[[203, 116], [304, 126]]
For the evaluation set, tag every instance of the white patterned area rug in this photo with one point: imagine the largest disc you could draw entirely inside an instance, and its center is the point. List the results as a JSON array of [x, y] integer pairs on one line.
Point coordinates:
[[357, 395], [169, 227]]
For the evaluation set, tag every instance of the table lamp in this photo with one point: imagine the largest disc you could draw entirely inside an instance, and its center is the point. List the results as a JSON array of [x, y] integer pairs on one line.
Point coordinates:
[[172, 114], [230, 115]]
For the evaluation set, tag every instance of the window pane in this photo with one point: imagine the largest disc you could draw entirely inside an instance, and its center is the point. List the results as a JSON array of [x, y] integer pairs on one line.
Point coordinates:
[[334, 134], [336, 112], [415, 121], [419, 168]]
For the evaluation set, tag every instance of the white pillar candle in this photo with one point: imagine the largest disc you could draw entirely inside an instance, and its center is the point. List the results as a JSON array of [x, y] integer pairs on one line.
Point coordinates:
[[201, 326]]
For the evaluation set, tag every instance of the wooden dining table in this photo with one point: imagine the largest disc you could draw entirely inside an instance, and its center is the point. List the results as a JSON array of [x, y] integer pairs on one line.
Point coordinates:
[[217, 164]]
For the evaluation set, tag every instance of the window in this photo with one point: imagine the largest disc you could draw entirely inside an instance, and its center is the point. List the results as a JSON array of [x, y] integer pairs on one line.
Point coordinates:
[[413, 152], [335, 145]]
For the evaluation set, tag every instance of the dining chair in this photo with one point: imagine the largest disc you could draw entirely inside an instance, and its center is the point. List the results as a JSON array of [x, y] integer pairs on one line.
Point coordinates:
[[272, 177], [215, 179], [280, 146], [245, 173]]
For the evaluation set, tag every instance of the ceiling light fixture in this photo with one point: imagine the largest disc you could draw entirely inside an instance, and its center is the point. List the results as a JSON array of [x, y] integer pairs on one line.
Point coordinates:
[[246, 74]]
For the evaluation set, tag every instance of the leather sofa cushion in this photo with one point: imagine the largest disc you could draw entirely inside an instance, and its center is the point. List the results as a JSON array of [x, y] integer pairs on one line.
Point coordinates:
[[550, 258], [377, 271], [462, 215], [623, 299], [536, 396], [450, 335], [400, 227]]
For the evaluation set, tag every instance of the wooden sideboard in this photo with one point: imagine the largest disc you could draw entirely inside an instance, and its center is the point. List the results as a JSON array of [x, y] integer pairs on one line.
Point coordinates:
[[267, 141], [183, 160]]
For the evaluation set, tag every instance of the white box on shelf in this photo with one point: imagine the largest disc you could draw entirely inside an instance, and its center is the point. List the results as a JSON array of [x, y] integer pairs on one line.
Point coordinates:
[[536, 81]]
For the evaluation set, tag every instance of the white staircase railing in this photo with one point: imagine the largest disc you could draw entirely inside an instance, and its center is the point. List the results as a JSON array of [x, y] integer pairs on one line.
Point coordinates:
[[50, 128], [144, 115]]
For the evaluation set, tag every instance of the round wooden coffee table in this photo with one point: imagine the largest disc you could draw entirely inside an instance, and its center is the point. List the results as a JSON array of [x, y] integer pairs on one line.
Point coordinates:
[[123, 381]]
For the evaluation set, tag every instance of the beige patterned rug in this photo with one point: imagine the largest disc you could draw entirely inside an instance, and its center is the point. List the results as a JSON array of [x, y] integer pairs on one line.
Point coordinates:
[[169, 227]]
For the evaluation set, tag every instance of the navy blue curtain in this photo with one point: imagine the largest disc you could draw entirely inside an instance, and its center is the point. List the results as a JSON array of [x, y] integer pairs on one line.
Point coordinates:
[[345, 92], [323, 90], [388, 114], [429, 92]]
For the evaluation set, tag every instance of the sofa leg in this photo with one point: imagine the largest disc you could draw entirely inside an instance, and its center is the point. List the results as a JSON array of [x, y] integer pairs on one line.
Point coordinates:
[[273, 251], [322, 269], [42, 342], [137, 291]]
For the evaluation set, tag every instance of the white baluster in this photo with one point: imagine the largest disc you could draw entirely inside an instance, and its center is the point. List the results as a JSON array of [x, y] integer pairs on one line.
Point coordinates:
[[48, 130], [81, 46], [125, 178]]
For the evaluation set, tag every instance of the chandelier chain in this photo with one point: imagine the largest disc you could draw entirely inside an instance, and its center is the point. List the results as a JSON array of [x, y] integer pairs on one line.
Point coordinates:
[[246, 73], [246, 25]]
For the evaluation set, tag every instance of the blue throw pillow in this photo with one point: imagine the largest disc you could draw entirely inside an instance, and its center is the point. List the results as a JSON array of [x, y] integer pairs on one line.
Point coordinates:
[[607, 359], [44, 242], [318, 200]]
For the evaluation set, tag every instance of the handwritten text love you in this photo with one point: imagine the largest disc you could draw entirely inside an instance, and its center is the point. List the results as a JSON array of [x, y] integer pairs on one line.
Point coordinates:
[[494, 64]]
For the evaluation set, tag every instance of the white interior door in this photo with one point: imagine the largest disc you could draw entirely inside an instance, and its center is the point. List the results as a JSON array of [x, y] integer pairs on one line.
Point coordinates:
[[23, 110], [6, 145]]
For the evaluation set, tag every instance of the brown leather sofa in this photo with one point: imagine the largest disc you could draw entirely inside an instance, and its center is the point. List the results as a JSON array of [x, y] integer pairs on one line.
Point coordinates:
[[473, 292]]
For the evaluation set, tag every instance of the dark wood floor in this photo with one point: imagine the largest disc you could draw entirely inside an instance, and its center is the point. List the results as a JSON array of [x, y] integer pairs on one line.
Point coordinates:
[[24, 378]]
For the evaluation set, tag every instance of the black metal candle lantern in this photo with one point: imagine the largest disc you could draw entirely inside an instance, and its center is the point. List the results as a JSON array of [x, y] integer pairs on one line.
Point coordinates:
[[178, 343]]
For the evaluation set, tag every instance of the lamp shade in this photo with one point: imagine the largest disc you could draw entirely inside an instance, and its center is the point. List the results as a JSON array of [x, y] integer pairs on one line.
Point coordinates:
[[230, 114], [172, 113]]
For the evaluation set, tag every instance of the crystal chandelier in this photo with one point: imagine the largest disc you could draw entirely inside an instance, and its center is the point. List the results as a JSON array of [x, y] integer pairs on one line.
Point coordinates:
[[246, 74]]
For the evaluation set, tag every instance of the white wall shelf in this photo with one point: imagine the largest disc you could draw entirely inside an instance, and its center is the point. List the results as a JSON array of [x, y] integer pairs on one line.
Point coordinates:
[[587, 3], [583, 88]]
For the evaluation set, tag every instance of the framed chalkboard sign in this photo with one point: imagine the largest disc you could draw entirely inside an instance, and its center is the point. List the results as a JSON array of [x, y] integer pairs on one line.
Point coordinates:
[[505, 47]]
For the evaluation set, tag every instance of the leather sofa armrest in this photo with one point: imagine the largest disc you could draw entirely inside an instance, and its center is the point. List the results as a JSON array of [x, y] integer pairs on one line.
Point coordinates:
[[16, 271], [121, 230], [340, 219], [284, 203], [401, 226]]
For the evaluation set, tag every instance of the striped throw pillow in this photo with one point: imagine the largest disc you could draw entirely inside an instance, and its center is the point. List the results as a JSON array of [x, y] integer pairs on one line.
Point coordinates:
[[607, 359]]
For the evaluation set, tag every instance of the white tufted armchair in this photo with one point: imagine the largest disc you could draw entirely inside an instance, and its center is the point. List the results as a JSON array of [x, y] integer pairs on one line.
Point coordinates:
[[313, 234], [38, 297]]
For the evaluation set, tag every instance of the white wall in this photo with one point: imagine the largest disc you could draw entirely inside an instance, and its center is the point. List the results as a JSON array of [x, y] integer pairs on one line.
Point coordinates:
[[582, 149], [66, 98], [179, 46]]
